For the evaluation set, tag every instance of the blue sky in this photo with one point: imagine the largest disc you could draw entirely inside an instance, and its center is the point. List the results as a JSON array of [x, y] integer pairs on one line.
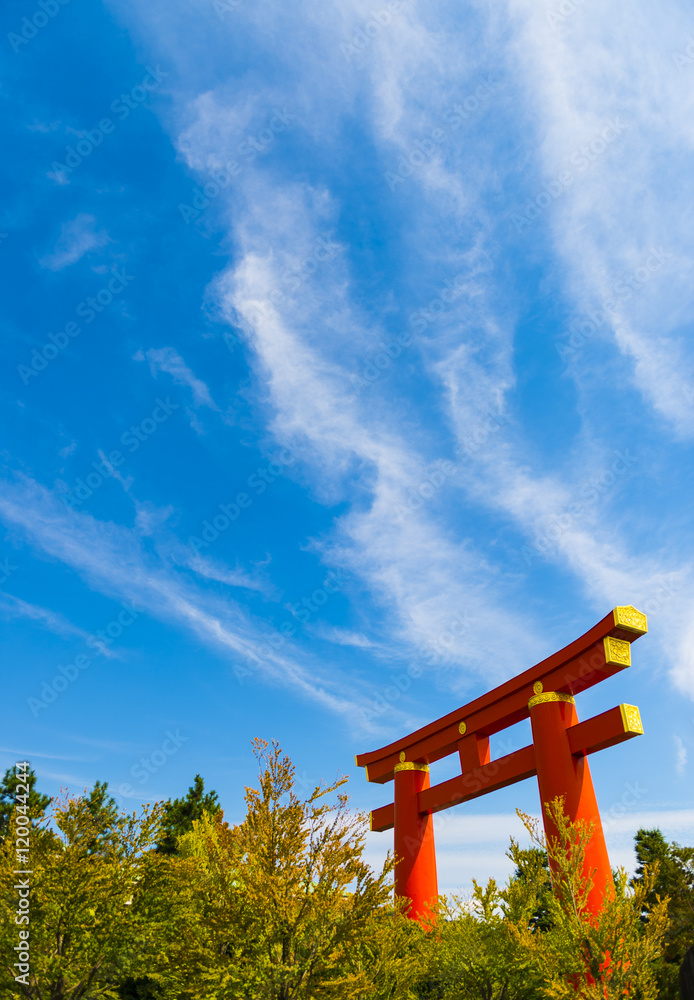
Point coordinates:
[[343, 339]]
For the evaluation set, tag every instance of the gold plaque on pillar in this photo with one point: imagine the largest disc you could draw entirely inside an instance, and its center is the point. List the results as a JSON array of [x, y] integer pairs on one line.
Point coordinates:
[[617, 651], [403, 755], [538, 687], [630, 619], [462, 728]]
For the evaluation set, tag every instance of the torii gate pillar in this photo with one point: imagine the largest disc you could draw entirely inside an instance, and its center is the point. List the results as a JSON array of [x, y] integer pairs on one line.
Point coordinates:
[[561, 773], [415, 866]]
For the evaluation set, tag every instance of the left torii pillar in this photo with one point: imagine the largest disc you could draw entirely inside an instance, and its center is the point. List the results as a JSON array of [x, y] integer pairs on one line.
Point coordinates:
[[413, 835]]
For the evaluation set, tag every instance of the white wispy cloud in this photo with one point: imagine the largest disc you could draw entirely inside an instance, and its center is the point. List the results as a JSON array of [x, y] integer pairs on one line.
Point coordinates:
[[680, 755], [627, 195], [113, 561], [77, 237], [14, 607], [168, 360]]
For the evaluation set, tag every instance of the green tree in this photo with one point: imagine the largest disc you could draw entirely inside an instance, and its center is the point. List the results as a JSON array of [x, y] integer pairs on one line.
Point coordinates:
[[85, 874], [179, 814], [606, 956], [37, 803], [472, 954], [532, 866], [286, 907], [673, 868]]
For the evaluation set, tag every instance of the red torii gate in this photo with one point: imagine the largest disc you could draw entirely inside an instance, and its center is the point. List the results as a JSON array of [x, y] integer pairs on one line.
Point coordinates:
[[557, 755]]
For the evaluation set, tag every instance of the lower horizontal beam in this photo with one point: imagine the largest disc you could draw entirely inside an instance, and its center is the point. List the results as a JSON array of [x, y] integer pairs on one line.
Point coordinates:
[[605, 730], [480, 780]]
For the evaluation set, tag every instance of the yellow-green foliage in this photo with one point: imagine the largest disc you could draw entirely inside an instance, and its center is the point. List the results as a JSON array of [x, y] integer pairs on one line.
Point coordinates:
[[283, 907]]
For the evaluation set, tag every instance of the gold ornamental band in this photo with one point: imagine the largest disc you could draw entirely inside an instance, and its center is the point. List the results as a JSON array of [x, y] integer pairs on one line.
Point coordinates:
[[542, 699], [409, 766]]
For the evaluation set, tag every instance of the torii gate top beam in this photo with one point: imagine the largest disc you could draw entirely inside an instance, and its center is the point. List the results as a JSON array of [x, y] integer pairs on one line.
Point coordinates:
[[602, 651]]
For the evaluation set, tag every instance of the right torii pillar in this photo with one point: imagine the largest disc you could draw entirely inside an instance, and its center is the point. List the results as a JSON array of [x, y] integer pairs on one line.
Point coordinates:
[[562, 773]]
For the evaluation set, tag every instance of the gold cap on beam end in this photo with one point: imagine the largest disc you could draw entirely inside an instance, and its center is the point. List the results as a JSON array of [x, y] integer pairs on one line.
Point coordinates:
[[631, 717], [617, 651], [630, 619]]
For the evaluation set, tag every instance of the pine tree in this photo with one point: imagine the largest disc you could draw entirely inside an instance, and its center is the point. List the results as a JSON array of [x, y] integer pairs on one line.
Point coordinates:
[[179, 814], [37, 803], [673, 868]]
